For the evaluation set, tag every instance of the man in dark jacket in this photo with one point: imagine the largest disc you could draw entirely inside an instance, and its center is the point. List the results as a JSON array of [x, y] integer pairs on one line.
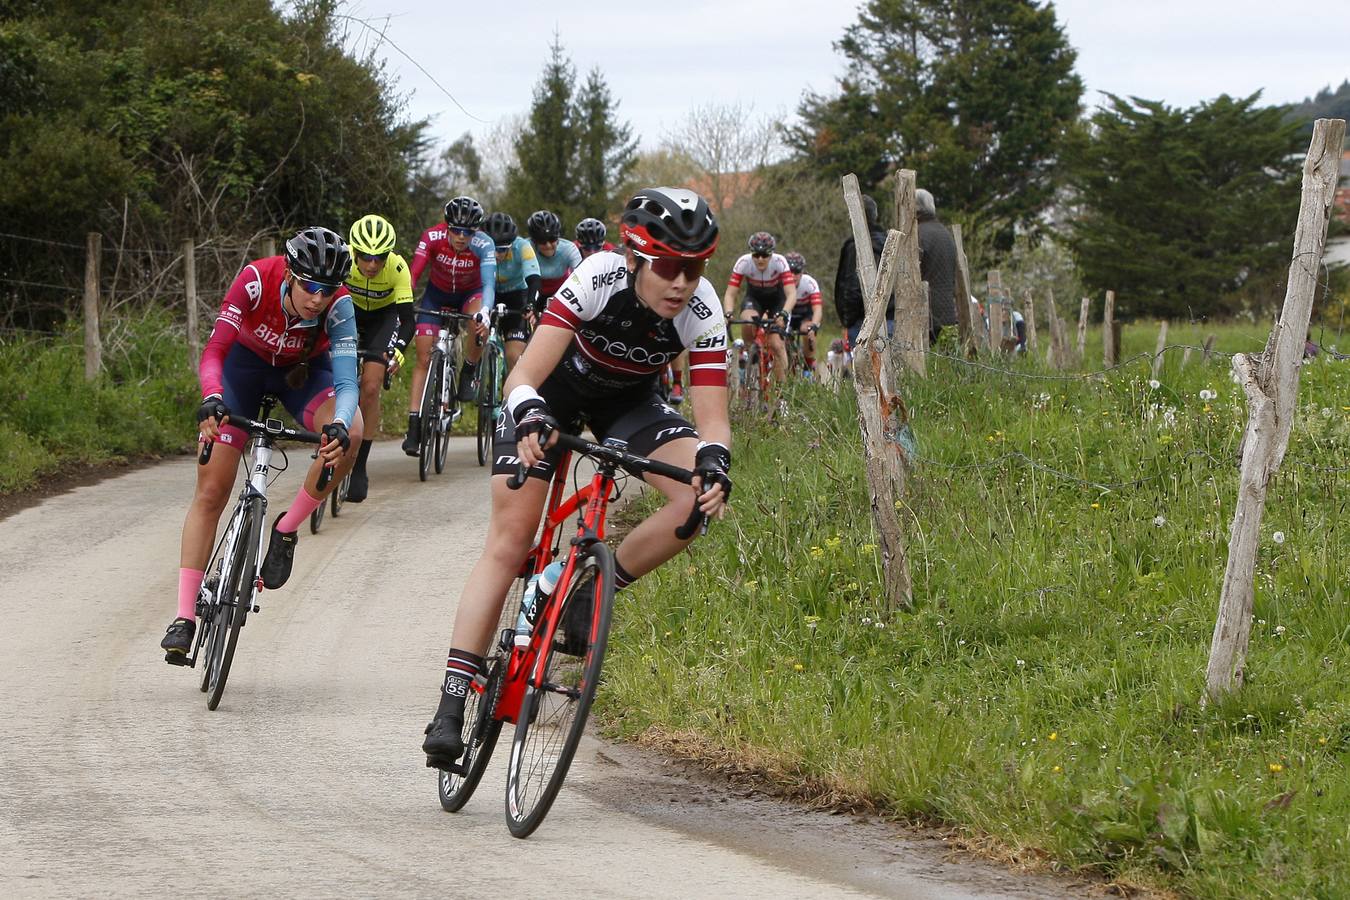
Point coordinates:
[[848, 295], [937, 265]]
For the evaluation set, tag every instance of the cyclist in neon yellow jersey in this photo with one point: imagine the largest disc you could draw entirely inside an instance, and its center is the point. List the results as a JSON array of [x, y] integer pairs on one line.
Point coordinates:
[[380, 285]]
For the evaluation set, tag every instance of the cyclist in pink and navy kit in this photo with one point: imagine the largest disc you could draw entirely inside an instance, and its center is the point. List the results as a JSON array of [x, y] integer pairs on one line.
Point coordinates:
[[286, 328], [770, 292], [462, 262]]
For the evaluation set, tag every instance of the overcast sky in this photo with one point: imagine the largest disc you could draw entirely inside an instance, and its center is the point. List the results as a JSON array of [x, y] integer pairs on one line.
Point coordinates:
[[663, 58]]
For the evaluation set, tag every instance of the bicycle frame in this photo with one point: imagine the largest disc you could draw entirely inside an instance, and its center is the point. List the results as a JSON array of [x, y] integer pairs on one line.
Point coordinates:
[[525, 666]]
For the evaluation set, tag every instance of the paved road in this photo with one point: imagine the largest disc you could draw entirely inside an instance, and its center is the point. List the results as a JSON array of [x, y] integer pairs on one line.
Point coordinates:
[[116, 781]]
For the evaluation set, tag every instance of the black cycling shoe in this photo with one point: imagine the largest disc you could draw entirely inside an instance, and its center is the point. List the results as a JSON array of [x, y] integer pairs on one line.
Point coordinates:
[[276, 567], [178, 640], [444, 744], [359, 487], [468, 391], [412, 444]]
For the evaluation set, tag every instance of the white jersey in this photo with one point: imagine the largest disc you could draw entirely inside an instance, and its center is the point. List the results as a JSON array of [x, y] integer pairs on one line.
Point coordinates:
[[775, 275], [620, 343]]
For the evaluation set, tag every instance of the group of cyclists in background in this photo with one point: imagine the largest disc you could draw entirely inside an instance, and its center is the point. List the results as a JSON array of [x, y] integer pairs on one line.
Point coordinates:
[[592, 331]]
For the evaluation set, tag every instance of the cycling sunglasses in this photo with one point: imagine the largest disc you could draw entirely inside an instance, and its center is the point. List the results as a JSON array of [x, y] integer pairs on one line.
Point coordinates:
[[670, 267], [463, 232], [761, 255], [373, 257], [317, 287]]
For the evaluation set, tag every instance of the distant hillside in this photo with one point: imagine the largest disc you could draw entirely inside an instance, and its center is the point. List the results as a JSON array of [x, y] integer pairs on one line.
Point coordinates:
[[1328, 104]]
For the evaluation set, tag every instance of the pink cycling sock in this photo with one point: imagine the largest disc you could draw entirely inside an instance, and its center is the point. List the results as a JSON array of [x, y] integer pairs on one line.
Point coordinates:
[[301, 507], [189, 582]]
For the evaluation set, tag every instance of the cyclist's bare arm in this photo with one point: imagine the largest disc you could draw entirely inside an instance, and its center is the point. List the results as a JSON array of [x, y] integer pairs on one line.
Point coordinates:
[[729, 298], [709, 403], [542, 355], [790, 292]]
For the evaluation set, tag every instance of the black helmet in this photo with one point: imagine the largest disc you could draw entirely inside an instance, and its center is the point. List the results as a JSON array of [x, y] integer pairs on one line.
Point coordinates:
[[669, 222], [762, 242], [591, 233], [319, 255], [464, 212], [501, 228], [796, 262], [543, 226]]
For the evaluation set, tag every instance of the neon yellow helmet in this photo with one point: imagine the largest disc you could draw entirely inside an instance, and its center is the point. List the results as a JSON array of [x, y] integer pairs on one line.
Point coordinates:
[[372, 235]]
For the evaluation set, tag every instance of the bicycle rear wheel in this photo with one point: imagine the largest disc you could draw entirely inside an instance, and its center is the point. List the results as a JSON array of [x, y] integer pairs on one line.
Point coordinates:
[[316, 517], [431, 415], [553, 715], [233, 600], [488, 385]]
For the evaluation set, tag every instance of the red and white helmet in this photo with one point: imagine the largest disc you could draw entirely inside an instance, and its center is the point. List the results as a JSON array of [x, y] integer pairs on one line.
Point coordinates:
[[672, 222]]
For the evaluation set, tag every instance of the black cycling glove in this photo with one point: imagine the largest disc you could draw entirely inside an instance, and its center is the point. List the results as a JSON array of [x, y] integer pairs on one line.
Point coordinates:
[[712, 462], [212, 407], [336, 431], [533, 417]]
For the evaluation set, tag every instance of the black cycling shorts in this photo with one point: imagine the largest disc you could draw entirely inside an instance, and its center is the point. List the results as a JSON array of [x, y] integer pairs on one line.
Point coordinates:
[[641, 418], [512, 326], [375, 329], [765, 301]]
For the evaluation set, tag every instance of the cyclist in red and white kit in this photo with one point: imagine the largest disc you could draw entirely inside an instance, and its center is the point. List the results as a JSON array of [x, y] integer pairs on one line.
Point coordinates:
[[594, 360], [770, 292], [808, 313]]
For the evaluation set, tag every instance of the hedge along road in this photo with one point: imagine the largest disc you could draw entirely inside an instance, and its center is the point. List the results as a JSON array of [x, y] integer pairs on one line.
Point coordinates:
[[115, 779]]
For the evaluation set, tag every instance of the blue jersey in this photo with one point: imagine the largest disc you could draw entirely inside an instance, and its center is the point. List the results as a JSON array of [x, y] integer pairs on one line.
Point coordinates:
[[553, 270], [515, 265]]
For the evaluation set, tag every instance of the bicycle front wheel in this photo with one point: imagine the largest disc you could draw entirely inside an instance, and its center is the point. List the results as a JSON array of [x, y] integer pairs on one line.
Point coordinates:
[[339, 496], [233, 601], [553, 714], [447, 416], [316, 517], [488, 386], [431, 415]]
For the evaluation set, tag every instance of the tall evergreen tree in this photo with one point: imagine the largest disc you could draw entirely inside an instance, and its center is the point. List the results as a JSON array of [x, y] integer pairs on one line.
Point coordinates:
[[1185, 210], [976, 95], [606, 148], [546, 149]]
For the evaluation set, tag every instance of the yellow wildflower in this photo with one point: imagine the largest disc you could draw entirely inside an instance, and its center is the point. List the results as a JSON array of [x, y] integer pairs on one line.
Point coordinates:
[[1276, 768]]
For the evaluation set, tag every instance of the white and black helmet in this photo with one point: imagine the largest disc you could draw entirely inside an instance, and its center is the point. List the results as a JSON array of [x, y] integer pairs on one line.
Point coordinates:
[[318, 254], [669, 222]]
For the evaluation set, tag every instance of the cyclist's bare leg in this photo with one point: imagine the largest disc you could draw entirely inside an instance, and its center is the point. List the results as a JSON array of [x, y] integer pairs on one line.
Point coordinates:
[[510, 533], [424, 343], [323, 416], [215, 484], [653, 541], [513, 351], [748, 331], [475, 333], [779, 351], [372, 384]]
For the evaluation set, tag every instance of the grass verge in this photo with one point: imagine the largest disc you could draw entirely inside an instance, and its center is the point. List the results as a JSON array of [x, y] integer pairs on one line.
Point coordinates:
[[1067, 540]]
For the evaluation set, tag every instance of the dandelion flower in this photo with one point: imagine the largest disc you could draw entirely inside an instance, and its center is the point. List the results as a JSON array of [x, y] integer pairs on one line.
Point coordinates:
[[1154, 384], [797, 667], [1322, 741], [1278, 537], [1096, 506], [1275, 768], [1021, 663], [1159, 521], [1054, 736], [1057, 770], [1326, 412], [1279, 629]]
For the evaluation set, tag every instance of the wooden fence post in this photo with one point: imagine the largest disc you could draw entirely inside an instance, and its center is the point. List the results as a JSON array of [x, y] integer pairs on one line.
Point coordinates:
[[911, 297], [269, 247], [1208, 350], [1029, 316], [1082, 327], [994, 339], [190, 292], [1054, 354], [1108, 330], [93, 342], [1158, 350], [1270, 382], [963, 324], [882, 415]]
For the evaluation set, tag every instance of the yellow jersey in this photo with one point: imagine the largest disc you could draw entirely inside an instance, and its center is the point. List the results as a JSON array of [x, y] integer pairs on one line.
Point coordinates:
[[392, 285]]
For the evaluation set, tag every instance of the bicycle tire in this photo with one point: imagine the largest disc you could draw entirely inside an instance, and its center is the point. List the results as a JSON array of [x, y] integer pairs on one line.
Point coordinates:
[[447, 417], [431, 415], [750, 380], [553, 716], [488, 385], [339, 496], [239, 594], [481, 731], [316, 517]]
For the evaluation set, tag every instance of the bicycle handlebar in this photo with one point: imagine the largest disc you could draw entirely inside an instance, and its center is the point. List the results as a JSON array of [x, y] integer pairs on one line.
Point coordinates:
[[276, 431], [629, 462]]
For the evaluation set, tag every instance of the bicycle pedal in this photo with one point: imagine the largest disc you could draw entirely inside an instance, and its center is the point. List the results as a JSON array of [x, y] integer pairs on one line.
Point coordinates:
[[179, 659]]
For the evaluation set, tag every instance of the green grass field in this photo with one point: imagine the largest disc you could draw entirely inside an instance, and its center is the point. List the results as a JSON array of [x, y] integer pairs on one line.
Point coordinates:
[[1066, 541]]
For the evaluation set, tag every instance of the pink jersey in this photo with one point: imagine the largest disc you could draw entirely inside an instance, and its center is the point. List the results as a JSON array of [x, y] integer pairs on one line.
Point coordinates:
[[776, 274], [456, 272], [251, 315]]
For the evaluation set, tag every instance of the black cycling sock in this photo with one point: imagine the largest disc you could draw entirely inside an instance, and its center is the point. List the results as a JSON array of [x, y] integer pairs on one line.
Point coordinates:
[[413, 419], [466, 371], [460, 669], [622, 577], [363, 453]]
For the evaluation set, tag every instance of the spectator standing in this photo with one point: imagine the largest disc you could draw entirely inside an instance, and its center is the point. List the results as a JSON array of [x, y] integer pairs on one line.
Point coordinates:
[[937, 265], [848, 294]]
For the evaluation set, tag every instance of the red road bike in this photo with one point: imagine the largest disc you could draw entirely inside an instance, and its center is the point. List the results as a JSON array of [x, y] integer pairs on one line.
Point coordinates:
[[546, 688]]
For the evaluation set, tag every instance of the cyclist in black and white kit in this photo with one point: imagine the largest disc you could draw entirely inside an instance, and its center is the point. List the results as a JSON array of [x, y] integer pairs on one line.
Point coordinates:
[[770, 292], [594, 360]]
